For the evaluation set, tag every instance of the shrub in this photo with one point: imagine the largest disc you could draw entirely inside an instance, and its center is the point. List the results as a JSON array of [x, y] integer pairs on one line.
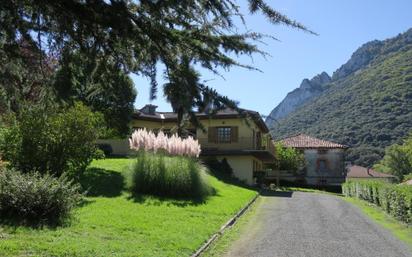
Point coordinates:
[[35, 199], [106, 148], [55, 141], [219, 168], [394, 199], [171, 176]]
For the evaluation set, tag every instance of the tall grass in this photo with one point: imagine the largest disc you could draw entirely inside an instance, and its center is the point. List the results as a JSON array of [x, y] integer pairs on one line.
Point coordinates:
[[169, 176]]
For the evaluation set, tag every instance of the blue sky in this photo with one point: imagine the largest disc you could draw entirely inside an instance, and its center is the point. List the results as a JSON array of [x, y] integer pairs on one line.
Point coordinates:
[[343, 26]]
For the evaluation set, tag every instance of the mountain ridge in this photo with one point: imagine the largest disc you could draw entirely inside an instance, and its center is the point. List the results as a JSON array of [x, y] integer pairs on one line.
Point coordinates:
[[371, 91]]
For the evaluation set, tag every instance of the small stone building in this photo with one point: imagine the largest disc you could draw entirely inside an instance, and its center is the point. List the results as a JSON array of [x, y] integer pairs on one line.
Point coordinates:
[[325, 161]]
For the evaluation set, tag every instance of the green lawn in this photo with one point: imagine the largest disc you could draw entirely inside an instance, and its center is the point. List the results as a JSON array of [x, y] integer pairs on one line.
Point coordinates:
[[244, 225], [112, 224], [401, 231]]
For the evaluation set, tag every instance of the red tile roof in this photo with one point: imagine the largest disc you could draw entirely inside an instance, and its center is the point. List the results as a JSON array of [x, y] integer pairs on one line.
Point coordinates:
[[362, 172], [305, 141]]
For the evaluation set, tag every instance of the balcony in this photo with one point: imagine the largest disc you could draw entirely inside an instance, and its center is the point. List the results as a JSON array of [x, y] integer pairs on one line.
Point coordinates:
[[247, 145]]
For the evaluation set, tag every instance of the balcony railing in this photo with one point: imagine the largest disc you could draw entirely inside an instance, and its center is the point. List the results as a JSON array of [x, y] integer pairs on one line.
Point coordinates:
[[242, 143]]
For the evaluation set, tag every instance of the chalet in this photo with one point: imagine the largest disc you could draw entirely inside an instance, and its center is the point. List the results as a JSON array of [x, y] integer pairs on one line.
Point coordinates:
[[325, 161], [242, 139]]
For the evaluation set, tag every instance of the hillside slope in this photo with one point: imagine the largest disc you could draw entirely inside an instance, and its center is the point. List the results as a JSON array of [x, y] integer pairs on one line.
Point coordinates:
[[307, 90], [368, 104]]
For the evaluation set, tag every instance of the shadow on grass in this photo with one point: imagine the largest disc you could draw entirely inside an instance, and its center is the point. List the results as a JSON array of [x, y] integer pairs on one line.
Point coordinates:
[[271, 193], [176, 201], [227, 179], [102, 182]]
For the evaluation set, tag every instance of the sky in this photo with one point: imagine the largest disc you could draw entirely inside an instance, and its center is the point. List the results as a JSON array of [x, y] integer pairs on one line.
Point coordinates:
[[343, 26]]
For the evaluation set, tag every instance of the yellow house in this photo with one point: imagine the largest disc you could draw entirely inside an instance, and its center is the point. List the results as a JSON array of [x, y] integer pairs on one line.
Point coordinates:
[[243, 139]]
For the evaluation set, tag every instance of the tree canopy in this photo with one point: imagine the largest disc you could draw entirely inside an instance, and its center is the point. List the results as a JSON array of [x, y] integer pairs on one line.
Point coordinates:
[[398, 159], [101, 85], [139, 35]]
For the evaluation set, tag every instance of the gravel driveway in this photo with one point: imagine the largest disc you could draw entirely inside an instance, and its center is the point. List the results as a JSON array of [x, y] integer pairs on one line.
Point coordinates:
[[302, 224]]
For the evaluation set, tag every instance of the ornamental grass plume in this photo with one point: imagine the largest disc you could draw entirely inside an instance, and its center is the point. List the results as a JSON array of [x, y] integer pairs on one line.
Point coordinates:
[[142, 139]]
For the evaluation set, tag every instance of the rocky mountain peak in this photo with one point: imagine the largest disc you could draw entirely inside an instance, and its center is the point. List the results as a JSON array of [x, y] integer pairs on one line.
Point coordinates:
[[306, 91]]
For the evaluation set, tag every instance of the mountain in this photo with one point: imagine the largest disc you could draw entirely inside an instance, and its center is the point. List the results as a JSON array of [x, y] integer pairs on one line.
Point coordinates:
[[367, 104], [307, 90]]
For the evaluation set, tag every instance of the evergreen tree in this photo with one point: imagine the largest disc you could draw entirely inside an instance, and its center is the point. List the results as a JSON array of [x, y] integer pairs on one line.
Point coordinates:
[[140, 35]]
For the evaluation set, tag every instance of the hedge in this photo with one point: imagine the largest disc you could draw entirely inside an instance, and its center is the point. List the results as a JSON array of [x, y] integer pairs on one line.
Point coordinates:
[[394, 199]]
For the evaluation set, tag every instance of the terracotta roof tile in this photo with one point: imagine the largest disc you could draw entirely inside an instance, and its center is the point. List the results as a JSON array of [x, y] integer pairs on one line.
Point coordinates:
[[305, 141], [362, 172]]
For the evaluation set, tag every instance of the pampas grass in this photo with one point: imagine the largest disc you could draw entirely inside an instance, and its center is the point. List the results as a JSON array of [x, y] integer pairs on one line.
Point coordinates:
[[145, 140], [169, 176]]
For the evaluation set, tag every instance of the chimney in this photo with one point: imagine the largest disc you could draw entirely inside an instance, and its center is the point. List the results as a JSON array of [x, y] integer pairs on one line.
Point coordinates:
[[149, 109]]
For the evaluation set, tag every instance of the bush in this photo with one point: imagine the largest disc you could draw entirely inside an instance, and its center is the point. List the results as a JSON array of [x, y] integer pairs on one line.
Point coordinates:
[[51, 142], [394, 199], [219, 168], [35, 199], [170, 176], [106, 148]]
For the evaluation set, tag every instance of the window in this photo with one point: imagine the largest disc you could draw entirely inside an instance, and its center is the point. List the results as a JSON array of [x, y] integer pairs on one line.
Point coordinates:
[[322, 166], [224, 134], [322, 151]]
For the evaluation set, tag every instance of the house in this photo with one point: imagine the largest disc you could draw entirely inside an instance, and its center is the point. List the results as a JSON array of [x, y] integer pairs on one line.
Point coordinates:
[[358, 172], [325, 161], [242, 139]]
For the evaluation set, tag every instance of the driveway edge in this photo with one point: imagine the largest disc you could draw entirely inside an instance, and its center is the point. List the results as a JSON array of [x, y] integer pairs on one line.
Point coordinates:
[[229, 223]]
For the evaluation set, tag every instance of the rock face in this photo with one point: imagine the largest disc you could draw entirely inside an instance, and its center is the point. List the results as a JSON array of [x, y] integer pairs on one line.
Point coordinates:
[[362, 58], [307, 90], [359, 59]]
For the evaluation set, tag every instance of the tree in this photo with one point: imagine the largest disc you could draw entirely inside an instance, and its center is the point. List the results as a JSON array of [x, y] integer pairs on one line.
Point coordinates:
[[288, 158], [25, 76], [397, 160], [101, 85], [140, 35]]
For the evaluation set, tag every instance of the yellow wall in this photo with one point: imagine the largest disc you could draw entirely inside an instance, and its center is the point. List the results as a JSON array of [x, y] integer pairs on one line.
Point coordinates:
[[245, 131], [150, 125], [242, 167]]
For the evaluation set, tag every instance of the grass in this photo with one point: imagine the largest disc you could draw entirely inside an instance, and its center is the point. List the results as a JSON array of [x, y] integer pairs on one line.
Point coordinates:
[[244, 225], [400, 230], [170, 176], [111, 223]]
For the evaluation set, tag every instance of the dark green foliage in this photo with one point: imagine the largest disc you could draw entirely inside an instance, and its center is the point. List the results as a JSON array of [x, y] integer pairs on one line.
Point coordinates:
[[106, 148], [397, 160], [394, 199], [219, 168], [139, 35], [35, 200], [177, 176], [367, 110], [101, 85], [52, 141], [288, 158], [25, 76]]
